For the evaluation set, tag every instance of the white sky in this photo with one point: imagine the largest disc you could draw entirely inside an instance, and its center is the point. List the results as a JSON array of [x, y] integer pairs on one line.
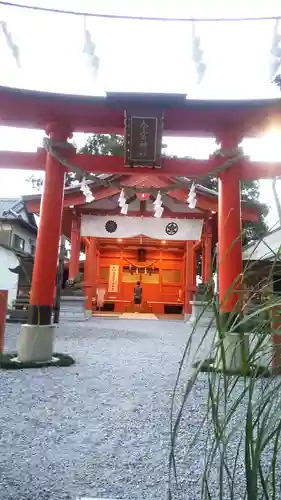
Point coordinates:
[[141, 56]]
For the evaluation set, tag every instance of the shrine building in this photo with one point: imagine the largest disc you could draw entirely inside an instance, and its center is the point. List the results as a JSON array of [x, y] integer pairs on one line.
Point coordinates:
[[161, 253]]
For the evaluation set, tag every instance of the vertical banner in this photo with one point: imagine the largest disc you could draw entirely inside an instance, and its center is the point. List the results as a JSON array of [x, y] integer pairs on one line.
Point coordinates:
[[113, 281]]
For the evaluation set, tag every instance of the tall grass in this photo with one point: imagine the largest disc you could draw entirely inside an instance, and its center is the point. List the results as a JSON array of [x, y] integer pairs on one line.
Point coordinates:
[[239, 423]]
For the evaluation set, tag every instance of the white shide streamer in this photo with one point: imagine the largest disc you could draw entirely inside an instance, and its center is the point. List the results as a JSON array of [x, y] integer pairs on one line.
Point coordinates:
[[191, 199], [90, 50], [198, 55], [275, 51], [86, 191], [10, 42], [158, 208], [122, 202], [158, 212], [122, 199]]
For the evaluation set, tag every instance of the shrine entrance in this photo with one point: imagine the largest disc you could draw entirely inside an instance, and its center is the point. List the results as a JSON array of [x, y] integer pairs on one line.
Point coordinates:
[[159, 266]]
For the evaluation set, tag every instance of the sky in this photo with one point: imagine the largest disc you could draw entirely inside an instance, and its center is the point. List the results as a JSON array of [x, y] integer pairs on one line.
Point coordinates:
[[141, 56]]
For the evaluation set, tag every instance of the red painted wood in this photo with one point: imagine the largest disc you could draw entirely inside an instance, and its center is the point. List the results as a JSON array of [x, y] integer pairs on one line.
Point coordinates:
[[207, 254], [207, 204], [230, 266], [75, 247], [71, 198], [46, 255], [34, 109], [110, 164], [188, 276], [254, 170], [249, 170], [158, 293], [90, 273], [23, 160]]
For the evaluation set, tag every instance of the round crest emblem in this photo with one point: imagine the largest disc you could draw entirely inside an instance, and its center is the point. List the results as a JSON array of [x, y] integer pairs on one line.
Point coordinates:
[[110, 226], [172, 228]]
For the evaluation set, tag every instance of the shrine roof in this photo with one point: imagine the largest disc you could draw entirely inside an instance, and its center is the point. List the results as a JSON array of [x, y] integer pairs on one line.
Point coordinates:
[[202, 189], [265, 249], [182, 116], [11, 211], [76, 187], [207, 198]]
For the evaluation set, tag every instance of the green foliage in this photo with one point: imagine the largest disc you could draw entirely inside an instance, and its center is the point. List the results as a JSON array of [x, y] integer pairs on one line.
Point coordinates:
[[96, 144], [254, 230], [250, 193], [277, 81], [238, 418], [100, 144]]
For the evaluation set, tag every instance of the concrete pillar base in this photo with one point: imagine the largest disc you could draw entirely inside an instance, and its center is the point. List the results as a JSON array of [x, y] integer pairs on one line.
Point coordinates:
[[36, 343], [262, 356], [234, 344], [202, 313]]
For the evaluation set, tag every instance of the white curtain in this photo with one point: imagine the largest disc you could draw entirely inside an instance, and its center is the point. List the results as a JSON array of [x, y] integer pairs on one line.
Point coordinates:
[[128, 227]]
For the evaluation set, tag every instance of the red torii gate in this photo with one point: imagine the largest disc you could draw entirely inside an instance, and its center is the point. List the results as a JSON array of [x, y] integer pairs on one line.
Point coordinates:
[[61, 115]]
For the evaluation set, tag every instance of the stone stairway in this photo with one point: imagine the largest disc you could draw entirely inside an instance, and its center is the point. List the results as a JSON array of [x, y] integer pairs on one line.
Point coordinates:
[[72, 309], [19, 312]]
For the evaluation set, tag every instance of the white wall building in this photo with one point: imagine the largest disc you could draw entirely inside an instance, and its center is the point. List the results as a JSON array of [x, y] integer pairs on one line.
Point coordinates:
[[8, 280], [18, 232]]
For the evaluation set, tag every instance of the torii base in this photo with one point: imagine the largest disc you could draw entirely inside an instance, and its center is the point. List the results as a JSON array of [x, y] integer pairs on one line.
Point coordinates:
[[36, 343]]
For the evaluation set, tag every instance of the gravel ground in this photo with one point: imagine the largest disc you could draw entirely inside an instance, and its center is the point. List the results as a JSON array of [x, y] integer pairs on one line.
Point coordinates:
[[100, 427]]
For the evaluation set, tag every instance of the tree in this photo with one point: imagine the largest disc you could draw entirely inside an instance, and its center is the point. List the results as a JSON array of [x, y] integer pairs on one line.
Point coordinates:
[[277, 81], [250, 193], [96, 144], [100, 144]]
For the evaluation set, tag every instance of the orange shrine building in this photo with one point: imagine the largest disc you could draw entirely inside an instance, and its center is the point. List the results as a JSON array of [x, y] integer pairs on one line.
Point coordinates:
[[121, 250]]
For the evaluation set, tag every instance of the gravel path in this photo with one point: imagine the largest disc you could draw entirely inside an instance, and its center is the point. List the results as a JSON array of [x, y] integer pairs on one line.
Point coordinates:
[[101, 427]]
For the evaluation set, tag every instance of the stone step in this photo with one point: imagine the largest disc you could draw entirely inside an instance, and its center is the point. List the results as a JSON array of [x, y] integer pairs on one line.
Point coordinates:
[[72, 309], [17, 316]]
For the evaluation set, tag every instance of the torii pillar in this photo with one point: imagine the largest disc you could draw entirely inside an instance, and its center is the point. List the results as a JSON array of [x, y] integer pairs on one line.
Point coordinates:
[[230, 264], [90, 276], [189, 278], [75, 245], [36, 337], [207, 271]]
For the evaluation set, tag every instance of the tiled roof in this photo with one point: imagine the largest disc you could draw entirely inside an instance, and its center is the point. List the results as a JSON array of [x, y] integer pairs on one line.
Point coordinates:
[[7, 204], [10, 207], [186, 181]]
